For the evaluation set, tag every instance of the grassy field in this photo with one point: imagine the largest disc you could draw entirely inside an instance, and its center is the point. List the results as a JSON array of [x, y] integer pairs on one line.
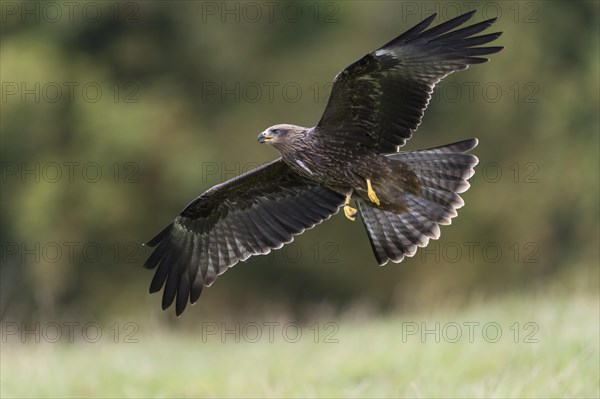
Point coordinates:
[[537, 345]]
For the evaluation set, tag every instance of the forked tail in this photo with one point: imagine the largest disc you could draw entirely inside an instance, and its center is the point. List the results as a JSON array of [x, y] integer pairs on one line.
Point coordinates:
[[443, 173]]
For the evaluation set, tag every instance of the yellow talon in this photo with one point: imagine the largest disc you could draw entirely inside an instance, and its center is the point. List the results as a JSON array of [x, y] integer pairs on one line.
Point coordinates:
[[348, 210], [372, 195]]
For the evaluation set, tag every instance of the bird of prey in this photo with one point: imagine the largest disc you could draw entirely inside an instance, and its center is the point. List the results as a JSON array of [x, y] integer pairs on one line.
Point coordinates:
[[352, 154]]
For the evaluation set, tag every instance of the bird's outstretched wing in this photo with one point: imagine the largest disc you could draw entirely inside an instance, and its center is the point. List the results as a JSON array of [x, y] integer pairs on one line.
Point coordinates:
[[379, 100], [251, 214]]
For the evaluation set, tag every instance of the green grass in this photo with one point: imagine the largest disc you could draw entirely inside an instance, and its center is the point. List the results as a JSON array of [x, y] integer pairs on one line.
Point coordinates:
[[371, 358]]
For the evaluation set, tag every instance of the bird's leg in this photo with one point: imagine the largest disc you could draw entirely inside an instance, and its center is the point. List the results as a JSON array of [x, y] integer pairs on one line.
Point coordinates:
[[348, 210], [372, 195]]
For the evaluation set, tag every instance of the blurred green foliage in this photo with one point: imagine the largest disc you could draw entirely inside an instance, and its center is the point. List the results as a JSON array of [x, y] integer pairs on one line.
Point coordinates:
[[186, 89]]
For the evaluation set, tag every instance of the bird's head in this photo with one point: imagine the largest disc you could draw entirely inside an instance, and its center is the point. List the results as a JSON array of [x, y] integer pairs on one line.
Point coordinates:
[[281, 136]]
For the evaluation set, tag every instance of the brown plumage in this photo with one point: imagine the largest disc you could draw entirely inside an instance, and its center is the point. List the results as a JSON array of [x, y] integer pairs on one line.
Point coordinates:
[[375, 105]]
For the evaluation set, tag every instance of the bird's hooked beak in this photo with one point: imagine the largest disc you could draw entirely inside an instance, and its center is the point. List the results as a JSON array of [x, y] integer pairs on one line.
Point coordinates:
[[265, 136]]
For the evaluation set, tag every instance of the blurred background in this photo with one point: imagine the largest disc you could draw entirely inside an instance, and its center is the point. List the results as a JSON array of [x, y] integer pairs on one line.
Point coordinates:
[[115, 115]]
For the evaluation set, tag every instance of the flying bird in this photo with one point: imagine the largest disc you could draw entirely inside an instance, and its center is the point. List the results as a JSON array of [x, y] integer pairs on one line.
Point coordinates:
[[352, 154]]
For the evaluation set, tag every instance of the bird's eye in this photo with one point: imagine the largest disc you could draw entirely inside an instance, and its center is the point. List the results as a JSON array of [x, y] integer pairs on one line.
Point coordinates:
[[275, 132]]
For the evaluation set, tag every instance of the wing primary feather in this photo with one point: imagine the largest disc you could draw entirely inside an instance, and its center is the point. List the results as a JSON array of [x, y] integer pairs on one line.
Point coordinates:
[[196, 289], [159, 253], [196, 253], [446, 26], [466, 31], [160, 236], [172, 280], [162, 272], [412, 32], [183, 293], [475, 41]]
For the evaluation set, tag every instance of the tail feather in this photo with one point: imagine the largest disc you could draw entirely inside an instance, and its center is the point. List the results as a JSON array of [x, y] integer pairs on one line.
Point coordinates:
[[443, 173], [432, 210], [460, 147], [387, 235], [446, 199], [445, 182]]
